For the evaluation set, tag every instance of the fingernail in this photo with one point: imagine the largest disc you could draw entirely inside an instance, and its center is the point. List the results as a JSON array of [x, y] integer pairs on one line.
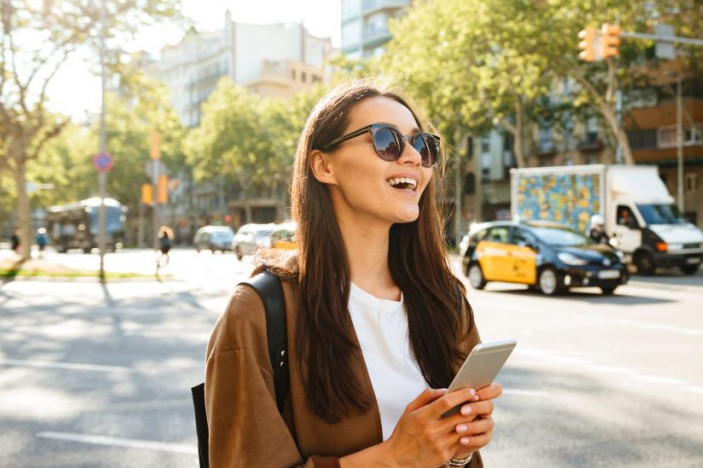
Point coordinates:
[[472, 392], [462, 428], [465, 441], [466, 410]]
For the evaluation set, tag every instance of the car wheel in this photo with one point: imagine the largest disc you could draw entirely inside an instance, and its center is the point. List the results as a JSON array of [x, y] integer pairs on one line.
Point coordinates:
[[550, 282], [465, 262], [608, 290], [476, 276], [239, 255], [690, 269], [644, 261]]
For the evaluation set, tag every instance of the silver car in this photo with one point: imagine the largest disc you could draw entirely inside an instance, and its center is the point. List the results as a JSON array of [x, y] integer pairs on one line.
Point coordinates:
[[250, 238], [213, 238]]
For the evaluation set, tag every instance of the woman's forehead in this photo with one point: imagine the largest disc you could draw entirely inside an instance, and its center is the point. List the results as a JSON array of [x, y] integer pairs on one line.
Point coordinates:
[[381, 109]]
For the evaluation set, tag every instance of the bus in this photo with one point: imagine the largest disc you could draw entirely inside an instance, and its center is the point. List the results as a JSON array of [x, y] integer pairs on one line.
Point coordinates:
[[75, 225]]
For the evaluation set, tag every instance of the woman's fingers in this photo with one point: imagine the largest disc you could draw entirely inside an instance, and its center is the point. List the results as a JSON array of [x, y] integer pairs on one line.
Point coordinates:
[[490, 392], [425, 398], [450, 401]]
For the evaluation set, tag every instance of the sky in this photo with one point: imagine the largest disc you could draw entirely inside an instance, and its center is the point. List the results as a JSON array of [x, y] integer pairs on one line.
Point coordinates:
[[75, 90]]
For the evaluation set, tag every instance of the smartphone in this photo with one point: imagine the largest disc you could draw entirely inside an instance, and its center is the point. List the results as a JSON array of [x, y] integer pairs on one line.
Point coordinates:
[[481, 366]]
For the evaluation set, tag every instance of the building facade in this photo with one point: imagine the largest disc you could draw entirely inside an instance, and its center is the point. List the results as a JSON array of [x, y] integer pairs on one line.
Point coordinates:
[[272, 60], [365, 25]]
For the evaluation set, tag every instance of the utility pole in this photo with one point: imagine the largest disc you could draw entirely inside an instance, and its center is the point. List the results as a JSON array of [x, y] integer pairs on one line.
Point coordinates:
[[102, 175]]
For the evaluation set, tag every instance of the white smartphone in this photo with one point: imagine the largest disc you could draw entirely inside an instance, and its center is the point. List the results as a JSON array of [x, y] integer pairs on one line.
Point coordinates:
[[481, 366]]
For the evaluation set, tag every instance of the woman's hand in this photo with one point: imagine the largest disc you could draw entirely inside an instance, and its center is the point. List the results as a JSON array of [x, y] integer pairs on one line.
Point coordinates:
[[422, 438], [478, 432]]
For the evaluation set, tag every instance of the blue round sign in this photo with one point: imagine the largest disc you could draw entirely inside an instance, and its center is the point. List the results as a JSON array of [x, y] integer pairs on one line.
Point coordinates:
[[103, 162]]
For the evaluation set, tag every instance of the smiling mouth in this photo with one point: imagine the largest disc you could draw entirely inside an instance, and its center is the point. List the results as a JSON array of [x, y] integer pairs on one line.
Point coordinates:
[[403, 183]]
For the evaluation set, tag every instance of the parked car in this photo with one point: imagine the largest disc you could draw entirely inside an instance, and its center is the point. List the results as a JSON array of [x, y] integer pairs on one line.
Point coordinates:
[[284, 237], [213, 238], [542, 255], [250, 238]]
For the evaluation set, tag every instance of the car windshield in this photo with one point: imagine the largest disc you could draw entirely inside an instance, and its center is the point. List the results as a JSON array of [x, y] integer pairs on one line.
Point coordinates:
[[560, 237], [221, 235], [661, 214], [263, 233]]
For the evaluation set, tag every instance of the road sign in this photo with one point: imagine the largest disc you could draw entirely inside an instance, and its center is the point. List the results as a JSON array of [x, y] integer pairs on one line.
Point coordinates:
[[103, 162]]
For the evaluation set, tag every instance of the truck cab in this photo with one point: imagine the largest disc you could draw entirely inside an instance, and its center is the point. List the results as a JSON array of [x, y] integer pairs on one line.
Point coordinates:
[[655, 234]]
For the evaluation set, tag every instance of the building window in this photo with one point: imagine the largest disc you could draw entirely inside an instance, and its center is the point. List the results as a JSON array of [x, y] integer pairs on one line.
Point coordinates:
[[485, 144], [351, 33], [691, 183], [292, 74], [667, 137], [303, 77], [642, 139]]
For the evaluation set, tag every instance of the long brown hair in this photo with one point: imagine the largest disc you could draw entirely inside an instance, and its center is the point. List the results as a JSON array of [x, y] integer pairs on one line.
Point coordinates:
[[418, 264]]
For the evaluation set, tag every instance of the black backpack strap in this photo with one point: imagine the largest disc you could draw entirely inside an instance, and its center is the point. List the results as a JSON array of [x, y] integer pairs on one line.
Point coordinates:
[[269, 288]]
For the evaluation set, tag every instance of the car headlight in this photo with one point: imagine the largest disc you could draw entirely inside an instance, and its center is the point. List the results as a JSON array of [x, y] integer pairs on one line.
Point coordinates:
[[570, 259], [620, 255], [675, 247]]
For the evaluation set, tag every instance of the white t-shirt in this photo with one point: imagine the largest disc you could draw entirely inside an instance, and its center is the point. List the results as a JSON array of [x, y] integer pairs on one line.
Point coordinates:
[[382, 328]]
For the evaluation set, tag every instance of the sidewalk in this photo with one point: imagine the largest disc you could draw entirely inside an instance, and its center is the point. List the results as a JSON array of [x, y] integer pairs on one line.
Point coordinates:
[[39, 267]]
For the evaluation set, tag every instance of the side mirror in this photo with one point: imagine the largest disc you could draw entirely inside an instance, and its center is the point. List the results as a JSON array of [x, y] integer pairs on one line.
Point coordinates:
[[533, 247]]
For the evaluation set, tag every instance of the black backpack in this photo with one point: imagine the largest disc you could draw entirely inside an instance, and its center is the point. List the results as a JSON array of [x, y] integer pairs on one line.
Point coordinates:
[[268, 286]]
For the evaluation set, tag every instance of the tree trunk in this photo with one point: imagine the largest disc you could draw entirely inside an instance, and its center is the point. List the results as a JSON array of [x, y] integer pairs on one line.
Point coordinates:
[[23, 209], [606, 109]]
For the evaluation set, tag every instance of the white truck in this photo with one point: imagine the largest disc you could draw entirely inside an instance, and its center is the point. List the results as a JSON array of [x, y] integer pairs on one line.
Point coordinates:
[[640, 217]]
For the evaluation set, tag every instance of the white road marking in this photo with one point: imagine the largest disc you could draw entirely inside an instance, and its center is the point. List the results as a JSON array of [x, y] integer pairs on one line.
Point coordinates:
[[64, 365], [119, 442], [627, 372], [611, 369], [524, 393]]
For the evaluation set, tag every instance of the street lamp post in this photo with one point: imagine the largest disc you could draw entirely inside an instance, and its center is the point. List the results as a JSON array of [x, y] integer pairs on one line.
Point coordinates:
[[679, 144], [102, 175]]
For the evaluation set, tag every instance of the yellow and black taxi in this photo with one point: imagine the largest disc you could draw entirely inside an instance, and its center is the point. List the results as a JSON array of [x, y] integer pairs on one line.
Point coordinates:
[[542, 255]]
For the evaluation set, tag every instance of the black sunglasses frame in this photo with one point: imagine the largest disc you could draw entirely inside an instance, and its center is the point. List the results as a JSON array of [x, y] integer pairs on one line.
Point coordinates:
[[429, 141]]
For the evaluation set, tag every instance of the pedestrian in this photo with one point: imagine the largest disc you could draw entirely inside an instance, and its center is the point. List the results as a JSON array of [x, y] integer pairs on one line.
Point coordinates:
[[41, 239], [165, 243], [377, 322], [15, 240], [597, 230]]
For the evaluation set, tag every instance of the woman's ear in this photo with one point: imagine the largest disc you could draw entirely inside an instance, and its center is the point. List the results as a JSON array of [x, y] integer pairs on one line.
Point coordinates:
[[321, 169]]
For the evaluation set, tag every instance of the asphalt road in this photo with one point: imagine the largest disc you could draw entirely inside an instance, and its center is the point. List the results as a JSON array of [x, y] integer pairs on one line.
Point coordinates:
[[98, 375]]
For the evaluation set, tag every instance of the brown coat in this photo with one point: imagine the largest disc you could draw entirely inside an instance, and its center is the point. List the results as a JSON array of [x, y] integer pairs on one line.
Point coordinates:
[[246, 428]]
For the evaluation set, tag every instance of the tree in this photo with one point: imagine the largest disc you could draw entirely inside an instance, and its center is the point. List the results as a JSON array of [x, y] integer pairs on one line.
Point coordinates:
[[37, 37], [501, 61]]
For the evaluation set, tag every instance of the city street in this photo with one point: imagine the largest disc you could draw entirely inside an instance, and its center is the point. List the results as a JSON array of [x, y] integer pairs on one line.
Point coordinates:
[[98, 375]]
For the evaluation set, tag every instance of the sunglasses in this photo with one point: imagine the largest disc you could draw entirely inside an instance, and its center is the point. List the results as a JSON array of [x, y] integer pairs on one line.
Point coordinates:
[[389, 143]]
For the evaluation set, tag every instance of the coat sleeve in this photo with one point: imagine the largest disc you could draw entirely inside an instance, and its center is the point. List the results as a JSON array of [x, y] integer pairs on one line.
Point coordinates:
[[245, 426], [471, 339]]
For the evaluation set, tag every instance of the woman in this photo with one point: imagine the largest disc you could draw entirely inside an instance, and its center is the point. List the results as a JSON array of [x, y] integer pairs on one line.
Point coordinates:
[[377, 323]]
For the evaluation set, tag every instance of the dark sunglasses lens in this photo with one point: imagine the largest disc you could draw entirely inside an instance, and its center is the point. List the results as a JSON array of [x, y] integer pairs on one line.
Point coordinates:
[[387, 144], [428, 147]]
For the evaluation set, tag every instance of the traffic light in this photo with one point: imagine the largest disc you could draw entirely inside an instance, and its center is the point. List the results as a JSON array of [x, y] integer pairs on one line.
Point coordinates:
[[147, 194], [609, 41], [162, 193], [587, 45]]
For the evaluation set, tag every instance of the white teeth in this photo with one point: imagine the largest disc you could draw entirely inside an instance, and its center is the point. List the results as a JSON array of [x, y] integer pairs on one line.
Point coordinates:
[[410, 184]]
